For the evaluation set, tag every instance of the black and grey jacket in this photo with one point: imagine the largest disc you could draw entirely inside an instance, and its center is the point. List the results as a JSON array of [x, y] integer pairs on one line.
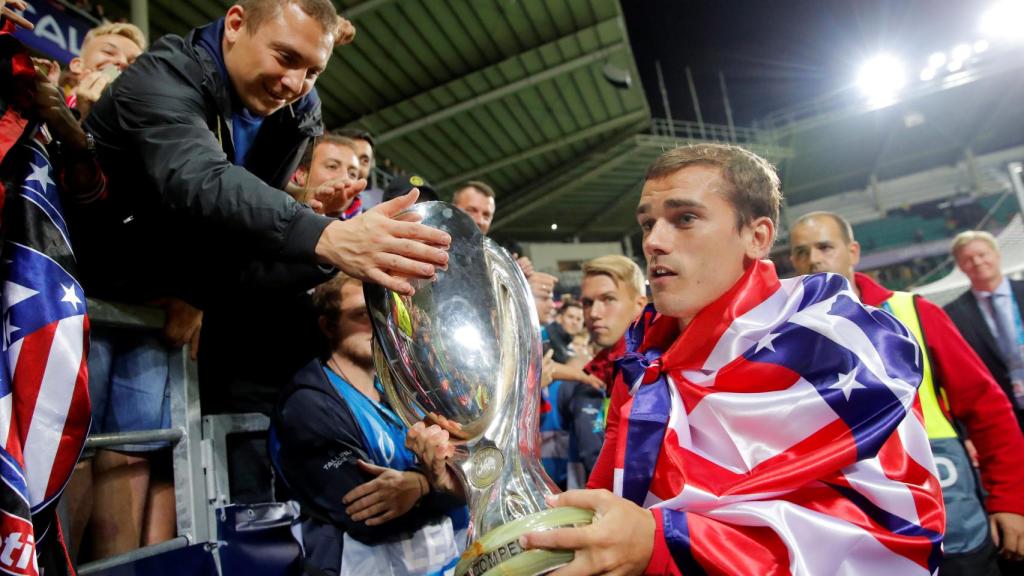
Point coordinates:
[[179, 213]]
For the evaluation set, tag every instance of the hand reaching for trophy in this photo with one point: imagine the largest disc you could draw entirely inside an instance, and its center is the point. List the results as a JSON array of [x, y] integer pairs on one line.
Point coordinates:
[[384, 248]]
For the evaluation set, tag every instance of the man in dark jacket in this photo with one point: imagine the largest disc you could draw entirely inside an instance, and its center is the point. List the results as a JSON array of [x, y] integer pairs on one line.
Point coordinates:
[[988, 315], [198, 139]]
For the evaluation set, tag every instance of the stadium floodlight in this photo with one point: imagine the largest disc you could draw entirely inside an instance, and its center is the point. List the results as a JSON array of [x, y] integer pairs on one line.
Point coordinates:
[[554, 226], [980, 46], [928, 74], [937, 60], [881, 78], [955, 65], [1003, 20]]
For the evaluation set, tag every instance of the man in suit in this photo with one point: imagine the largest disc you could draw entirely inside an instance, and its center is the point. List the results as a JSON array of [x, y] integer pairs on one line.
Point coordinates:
[[989, 314]]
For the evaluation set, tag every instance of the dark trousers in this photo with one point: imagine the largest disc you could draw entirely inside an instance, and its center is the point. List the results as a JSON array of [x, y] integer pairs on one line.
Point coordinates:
[[982, 562]]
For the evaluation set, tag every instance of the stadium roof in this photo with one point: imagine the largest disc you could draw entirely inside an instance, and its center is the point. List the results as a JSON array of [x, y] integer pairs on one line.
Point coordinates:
[[518, 93]]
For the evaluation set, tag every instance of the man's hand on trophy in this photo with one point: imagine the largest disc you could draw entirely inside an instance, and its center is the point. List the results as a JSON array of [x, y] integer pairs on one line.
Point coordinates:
[[620, 541], [379, 246], [389, 495], [431, 445]]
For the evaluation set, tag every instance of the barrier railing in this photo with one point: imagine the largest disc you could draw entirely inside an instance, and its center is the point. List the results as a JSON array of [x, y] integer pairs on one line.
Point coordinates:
[[185, 433]]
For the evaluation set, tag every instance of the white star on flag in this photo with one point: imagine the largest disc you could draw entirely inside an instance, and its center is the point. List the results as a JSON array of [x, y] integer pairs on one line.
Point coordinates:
[[766, 342], [70, 296], [40, 174], [847, 383]]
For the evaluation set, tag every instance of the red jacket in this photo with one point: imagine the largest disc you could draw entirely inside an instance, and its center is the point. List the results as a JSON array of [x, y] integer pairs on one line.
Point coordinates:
[[974, 399]]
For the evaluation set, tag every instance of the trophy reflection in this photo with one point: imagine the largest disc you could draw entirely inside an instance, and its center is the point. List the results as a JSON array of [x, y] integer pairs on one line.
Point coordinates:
[[467, 347]]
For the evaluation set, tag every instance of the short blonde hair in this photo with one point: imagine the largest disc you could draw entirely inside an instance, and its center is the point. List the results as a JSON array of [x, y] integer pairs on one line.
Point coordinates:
[[620, 269], [129, 31], [964, 238]]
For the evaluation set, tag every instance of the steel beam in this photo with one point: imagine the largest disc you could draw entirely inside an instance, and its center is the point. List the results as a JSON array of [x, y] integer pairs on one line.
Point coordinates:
[[500, 92], [364, 8], [627, 120], [601, 160]]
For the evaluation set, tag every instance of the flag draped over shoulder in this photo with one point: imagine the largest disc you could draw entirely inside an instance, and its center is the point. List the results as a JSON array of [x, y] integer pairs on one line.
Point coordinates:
[[780, 434], [44, 400]]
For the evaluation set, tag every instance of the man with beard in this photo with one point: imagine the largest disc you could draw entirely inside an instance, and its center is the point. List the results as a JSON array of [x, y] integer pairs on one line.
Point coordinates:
[[339, 447]]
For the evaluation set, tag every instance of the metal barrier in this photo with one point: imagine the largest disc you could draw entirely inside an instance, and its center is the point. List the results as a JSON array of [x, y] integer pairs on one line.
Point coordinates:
[[193, 514], [216, 429]]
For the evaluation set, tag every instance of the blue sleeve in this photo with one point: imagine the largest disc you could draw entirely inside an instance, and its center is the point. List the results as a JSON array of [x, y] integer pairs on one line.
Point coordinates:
[[320, 445]]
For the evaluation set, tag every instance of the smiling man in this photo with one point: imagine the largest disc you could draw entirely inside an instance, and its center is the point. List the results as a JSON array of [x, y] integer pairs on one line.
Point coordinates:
[[202, 133], [197, 139], [758, 425], [989, 313]]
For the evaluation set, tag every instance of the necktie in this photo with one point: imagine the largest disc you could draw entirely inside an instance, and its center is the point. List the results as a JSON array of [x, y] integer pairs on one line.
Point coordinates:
[[1006, 335], [1010, 348]]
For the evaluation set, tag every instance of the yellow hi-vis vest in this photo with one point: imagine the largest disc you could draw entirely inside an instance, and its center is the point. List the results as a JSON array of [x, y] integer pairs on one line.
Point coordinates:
[[901, 305], [966, 521]]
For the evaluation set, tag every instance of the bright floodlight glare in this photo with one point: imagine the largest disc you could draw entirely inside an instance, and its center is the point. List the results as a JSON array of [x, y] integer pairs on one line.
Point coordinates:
[[927, 74], [882, 77], [937, 60], [1003, 20], [955, 65], [554, 226], [961, 52], [980, 46]]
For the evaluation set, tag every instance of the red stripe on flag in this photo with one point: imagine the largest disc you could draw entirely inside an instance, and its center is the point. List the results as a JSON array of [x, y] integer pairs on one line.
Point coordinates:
[[828, 501], [923, 485], [27, 376], [715, 546], [830, 448], [76, 426]]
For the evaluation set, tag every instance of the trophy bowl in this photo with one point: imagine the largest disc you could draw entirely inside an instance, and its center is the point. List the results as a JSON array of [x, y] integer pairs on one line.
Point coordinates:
[[467, 347]]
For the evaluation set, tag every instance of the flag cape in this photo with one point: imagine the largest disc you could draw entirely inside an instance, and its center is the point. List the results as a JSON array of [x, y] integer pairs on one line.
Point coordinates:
[[779, 435]]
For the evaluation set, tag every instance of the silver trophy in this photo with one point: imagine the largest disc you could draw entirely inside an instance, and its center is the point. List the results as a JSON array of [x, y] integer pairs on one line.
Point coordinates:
[[467, 347]]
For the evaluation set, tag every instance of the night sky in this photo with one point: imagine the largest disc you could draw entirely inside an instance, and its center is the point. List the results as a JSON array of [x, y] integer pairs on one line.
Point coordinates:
[[778, 53]]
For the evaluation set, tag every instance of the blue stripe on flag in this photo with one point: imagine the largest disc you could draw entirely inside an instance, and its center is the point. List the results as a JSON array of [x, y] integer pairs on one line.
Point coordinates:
[[677, 536], [895, 524]]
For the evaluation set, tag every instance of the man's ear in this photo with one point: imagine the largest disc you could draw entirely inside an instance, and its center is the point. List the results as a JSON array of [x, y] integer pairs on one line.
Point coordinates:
[[76, 66], [234, 24], [761, 237], [300, 176], [854, 253]]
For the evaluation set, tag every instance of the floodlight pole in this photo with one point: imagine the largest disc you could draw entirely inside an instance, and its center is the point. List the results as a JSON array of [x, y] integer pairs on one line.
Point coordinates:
[[728, 107], [664, 99], [696, 103]]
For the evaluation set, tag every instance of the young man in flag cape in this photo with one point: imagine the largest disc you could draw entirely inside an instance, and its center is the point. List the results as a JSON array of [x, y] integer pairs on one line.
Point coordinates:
[[757, 426]]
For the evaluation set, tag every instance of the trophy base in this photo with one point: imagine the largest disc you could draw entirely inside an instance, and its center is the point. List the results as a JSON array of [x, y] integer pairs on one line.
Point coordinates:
[[498, 553]]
